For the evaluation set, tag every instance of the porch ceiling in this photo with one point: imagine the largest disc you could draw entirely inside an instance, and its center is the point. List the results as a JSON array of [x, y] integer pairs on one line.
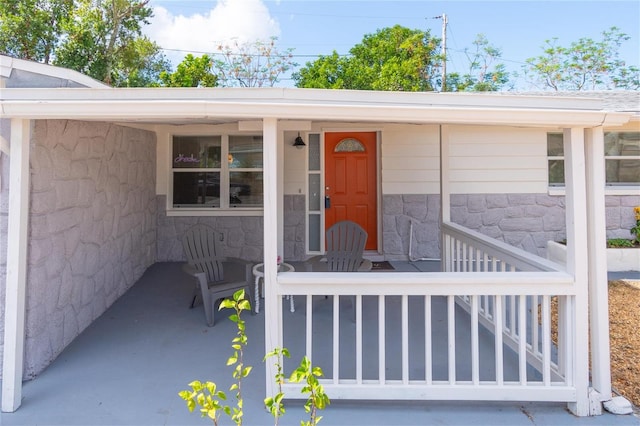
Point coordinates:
[[222, 105]]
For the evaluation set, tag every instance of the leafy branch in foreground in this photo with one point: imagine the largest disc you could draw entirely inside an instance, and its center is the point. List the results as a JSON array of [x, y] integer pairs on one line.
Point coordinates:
[[274, 403], [318, 399], [210, 400], [206, 394]]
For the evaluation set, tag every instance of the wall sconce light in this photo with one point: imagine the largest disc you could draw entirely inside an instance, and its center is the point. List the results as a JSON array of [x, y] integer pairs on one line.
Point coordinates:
[[299, 143]]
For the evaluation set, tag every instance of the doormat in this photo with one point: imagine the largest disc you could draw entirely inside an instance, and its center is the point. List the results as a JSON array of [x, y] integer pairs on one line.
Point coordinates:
[[382, 266]]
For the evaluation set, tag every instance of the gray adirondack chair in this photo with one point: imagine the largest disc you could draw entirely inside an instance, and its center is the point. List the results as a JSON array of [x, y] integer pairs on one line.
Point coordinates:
[[345, 245], [216, 276]]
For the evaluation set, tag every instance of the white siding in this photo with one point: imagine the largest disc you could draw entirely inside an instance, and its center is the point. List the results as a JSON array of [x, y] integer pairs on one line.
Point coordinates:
[[483, 160], [521, 156], [410, 159], [295, 165]]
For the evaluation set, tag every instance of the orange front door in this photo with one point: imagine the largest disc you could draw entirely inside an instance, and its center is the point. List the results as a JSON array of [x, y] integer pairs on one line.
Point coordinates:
[[350, 181]]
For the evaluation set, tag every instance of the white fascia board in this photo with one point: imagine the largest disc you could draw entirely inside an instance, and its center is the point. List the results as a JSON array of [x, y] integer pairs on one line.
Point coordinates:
[[167, 110], [92, 104], [321, 96]]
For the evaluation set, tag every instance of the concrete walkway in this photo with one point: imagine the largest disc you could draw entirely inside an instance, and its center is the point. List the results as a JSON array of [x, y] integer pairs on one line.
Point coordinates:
[[128, 367]]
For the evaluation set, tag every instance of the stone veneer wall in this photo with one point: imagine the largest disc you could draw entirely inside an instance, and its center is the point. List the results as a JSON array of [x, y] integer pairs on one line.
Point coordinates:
[[92, 227], [243, 236], [620, 215], [398, 214], [526, 221]]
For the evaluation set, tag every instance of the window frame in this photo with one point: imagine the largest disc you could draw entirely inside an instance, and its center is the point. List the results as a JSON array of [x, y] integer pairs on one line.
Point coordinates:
[[611, 188], [225, 208]]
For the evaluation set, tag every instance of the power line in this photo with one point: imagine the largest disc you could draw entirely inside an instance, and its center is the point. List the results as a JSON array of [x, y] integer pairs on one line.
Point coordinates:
[[201, 52]]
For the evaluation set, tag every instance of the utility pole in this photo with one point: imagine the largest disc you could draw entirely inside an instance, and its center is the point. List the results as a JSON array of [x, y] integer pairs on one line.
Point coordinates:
[[444, 50]]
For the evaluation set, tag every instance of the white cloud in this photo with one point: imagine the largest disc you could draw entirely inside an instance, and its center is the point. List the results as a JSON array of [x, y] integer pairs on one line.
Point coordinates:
[[244, 20]]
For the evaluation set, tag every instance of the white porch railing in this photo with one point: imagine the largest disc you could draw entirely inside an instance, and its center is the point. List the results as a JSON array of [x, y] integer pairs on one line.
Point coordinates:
[[438, 336]]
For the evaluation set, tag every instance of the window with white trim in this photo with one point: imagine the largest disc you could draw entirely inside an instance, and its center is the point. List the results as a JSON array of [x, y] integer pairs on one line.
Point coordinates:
[[621, 155], [217, 172]]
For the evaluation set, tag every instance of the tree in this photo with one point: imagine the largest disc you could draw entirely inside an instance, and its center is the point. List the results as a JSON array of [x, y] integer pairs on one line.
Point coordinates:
[[326, 72], [142, 65], [104, 41], [254, 64], [191, 72], [31, 29], [584, 65], [395, 58], [482, 76]]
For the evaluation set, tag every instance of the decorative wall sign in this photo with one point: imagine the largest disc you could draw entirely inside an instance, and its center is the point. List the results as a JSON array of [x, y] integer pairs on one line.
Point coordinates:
[[182, 159]]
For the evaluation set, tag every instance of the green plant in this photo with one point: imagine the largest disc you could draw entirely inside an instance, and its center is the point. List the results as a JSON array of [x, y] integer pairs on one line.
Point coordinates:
[[239, 304], [206, 394], [619, 243], [635, 231], [209, 398], [318, 399], [274, 403]]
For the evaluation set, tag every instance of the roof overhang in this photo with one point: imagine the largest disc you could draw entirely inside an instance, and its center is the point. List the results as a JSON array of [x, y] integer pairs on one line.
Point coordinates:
[[8, 64], [218, 105]]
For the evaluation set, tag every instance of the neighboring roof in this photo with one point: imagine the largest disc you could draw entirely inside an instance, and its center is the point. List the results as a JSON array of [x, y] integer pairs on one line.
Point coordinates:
[[20, 73], [613, 100]]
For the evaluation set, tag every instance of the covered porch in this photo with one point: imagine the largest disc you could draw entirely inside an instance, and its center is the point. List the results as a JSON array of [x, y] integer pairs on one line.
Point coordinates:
[[456, 330], [129, 365]]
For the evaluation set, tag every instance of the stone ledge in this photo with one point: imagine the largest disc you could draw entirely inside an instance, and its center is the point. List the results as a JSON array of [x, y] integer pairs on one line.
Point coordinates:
[[618, 259]]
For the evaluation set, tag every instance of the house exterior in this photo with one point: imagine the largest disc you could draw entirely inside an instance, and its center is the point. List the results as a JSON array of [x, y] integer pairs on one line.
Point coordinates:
[[98, 183]]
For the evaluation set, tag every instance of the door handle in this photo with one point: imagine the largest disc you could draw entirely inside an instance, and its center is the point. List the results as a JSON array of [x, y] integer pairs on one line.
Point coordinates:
[[327, 202]]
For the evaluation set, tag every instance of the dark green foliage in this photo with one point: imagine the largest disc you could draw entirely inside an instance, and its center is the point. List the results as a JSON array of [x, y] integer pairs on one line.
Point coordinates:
[[396, 58]]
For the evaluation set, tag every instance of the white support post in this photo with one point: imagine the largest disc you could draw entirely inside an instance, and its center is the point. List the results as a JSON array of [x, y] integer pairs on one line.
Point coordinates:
[[445, 193], [577, 265], [596, 243], [272, 335], [16, 280], [280, 198]]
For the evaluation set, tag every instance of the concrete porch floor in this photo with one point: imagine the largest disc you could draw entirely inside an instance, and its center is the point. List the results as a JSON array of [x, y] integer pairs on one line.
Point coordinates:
[[129, 365]]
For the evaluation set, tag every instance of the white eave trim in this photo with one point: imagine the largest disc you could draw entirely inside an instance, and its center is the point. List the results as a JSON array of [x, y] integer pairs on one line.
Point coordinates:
[[162, 105]]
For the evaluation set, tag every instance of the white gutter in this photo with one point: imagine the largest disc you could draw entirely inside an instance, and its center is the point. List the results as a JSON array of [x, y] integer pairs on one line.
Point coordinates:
[[149, 106]]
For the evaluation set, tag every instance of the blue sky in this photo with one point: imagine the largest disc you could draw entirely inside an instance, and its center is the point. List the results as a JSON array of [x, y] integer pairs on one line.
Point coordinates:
[[311, 28]]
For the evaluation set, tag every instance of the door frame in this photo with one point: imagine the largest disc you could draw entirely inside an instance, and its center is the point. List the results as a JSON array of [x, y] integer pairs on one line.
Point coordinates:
[[378, 183]]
